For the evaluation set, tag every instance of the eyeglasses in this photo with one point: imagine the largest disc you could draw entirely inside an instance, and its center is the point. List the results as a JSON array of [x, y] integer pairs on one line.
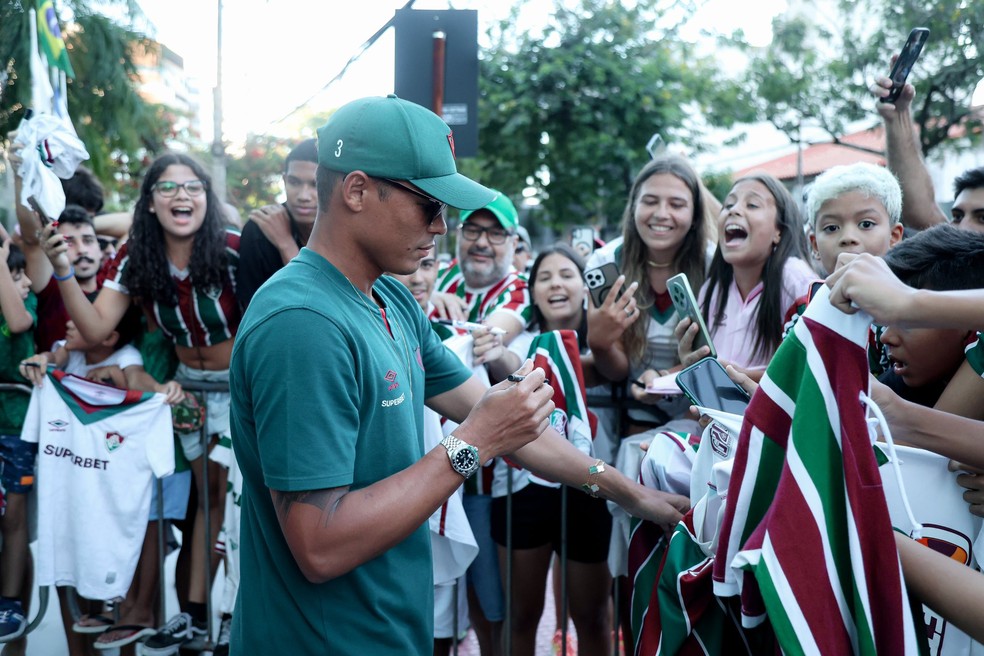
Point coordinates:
[[496, 235], [434, 209], [170, 189]]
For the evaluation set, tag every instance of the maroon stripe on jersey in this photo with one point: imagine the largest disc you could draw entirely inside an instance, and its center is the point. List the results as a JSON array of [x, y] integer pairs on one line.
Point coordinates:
[[863, 483], [795, 538]]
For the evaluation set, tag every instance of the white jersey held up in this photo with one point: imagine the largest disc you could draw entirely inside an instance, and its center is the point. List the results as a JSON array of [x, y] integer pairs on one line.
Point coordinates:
[[99, 448]]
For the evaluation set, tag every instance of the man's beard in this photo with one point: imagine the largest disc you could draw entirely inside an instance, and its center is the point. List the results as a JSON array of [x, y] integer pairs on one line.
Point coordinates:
[[79, 275], [479, 279]]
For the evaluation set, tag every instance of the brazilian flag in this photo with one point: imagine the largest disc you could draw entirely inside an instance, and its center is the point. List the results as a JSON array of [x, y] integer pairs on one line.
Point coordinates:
[[50, 38]]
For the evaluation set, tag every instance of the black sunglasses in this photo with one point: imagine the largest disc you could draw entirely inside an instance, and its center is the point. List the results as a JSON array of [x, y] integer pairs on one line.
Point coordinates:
[[435, 208]]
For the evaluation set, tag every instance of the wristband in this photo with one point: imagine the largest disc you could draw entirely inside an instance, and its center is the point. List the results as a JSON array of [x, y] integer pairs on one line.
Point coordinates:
[[590, 486], [70, 274]]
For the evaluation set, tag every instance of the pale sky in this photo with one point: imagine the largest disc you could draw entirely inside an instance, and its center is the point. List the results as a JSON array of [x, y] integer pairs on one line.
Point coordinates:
[[278, 54]]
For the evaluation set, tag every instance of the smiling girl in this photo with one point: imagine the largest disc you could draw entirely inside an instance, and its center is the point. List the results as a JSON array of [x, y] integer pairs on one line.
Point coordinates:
[[664, 232], [179, 264], [756, 275]]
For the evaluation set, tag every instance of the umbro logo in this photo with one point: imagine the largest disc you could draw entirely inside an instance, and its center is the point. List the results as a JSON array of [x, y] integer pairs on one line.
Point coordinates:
[[58, 425], [391, 379]]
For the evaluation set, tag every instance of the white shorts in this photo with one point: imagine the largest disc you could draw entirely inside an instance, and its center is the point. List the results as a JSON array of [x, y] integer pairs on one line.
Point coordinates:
[[444, 605]]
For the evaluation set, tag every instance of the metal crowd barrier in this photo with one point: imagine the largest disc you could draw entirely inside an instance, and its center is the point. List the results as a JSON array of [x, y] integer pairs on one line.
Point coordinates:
[[620, 400]]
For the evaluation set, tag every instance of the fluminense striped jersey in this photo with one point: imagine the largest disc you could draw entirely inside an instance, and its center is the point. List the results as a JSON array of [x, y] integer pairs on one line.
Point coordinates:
[[975, 355], [511, 294], [556, 352], [200, 318], [806, 537], [684, 617]]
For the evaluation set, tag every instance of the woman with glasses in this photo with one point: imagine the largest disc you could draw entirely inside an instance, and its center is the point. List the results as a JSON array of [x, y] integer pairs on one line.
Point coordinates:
[[179, 265]]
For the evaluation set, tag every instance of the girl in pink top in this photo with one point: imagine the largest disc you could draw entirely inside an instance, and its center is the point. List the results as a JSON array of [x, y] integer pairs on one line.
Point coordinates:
[[758, 271]]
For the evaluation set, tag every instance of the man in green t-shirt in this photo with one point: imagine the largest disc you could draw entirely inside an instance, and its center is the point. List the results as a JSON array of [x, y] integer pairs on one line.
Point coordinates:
[[332, 366]]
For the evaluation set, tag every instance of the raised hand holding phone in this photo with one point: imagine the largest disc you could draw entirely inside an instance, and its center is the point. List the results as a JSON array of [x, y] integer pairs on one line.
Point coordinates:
[[609, 314], [686, 306], [905, 61]]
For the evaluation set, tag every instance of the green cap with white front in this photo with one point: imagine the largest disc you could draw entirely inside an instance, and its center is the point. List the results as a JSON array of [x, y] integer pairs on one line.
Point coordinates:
[[502, 209], [393, 138]]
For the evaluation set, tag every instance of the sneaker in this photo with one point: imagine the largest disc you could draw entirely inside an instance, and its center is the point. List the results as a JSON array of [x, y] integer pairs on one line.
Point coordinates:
[[12, 620], [225, 632], [178, 631]]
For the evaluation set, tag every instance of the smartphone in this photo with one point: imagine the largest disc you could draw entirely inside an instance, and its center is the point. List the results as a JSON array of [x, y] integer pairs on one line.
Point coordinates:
[[600, 280], [36, 206], [907, 58], [582, 241], [815, 287], [686, 306], [707, 385]]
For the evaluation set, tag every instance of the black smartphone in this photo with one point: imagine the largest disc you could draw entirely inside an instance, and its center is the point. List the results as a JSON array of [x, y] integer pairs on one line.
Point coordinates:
[[815, 287], [907, 58], [36, 206], [600, 280], [686, 306], [707, 385]]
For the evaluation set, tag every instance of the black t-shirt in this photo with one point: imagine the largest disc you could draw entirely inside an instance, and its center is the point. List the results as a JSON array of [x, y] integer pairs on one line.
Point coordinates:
[[927, 395], [258, 259]]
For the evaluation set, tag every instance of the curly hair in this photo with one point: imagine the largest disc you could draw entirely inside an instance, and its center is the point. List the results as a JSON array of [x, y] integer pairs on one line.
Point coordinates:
[[690, 256], [792, 243], [148, 276]]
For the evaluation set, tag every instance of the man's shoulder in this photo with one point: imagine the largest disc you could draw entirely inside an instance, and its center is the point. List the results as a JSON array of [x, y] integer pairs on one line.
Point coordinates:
[[607, 253]]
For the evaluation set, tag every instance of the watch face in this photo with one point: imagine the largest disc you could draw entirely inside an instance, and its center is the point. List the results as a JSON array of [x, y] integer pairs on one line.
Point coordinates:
[[466, 460]]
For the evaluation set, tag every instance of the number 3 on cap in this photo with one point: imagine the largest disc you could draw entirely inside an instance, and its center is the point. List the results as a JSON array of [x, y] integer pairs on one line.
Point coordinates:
[[338, 151]]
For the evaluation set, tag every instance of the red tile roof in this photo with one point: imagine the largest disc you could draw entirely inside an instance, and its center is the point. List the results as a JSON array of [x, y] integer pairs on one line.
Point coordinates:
[[817, 158]]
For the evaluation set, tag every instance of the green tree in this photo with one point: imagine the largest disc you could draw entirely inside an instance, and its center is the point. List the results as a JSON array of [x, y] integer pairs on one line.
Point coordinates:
[[254, 176], [570, 110], [118, 127], [811, 75]]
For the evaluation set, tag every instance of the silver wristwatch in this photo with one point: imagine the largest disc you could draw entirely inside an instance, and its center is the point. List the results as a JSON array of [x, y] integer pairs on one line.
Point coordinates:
[[463, 456]]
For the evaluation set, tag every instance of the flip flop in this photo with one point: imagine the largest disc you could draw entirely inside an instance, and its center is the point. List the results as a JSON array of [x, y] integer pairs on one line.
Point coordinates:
[[131, 633], [101, 623]]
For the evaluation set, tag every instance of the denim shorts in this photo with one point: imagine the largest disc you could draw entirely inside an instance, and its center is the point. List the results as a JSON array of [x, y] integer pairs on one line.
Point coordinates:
[[17, 458], [177, 489]]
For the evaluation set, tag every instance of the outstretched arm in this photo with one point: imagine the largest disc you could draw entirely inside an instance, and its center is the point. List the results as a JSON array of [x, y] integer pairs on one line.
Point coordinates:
[[953, 590], [919, 208]]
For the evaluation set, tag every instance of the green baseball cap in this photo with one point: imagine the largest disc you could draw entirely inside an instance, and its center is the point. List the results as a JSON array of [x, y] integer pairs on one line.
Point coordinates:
[[393, 138], [502, 208]]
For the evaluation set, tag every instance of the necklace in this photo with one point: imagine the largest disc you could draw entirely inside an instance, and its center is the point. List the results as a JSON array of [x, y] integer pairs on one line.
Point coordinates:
[[388, 336], [657, 265]]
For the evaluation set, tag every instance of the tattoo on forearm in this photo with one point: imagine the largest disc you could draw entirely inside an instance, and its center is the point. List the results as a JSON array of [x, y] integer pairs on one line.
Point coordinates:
[[324, 500]]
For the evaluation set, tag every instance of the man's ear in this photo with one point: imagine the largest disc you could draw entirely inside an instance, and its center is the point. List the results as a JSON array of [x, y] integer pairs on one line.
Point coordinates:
[[896, 234], [111, 340], [353, 190]]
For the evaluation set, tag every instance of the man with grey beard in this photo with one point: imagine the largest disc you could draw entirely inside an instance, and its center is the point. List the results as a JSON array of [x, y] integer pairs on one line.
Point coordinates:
[[482, 281]]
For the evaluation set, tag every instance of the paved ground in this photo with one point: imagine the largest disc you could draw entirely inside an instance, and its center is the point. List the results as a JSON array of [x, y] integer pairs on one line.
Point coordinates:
[[49, 639]]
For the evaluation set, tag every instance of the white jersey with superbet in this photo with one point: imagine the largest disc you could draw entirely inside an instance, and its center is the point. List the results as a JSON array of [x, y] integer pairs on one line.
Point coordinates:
[[99, 448]]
